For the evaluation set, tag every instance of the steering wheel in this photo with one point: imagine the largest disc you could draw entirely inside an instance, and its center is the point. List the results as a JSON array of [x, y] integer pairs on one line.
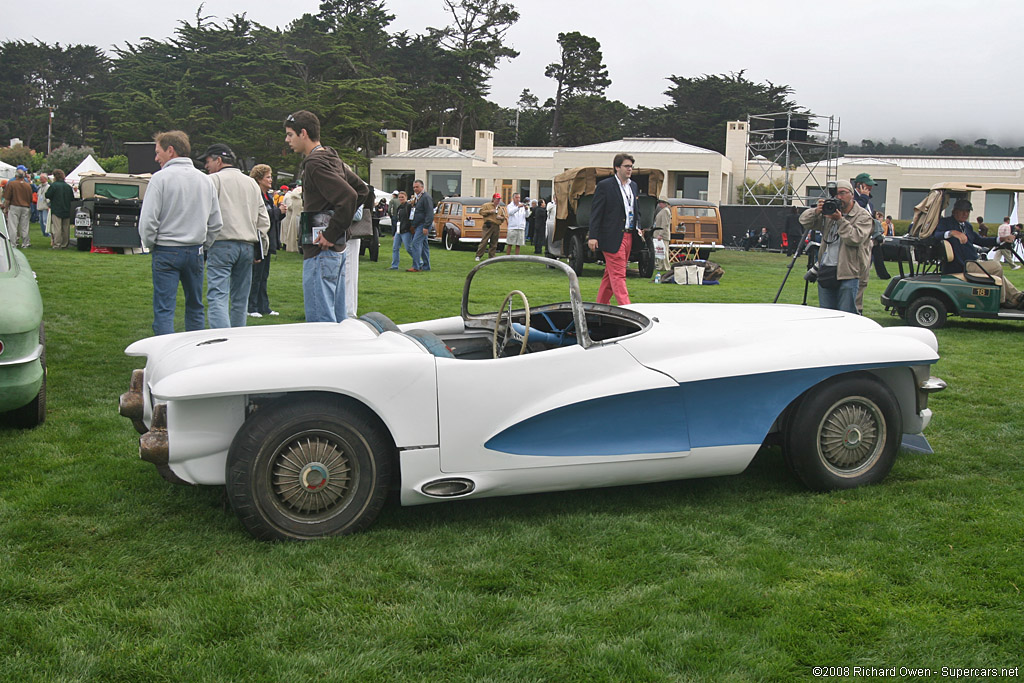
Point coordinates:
[[505, 331]]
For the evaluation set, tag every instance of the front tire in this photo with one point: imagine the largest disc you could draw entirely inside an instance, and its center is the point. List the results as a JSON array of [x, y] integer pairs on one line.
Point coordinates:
[[844, 433], [575, 253], [927, 312], [299, 470]]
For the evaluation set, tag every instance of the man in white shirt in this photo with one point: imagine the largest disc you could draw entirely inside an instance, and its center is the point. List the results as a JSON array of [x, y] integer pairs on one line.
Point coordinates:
[[180, 214]]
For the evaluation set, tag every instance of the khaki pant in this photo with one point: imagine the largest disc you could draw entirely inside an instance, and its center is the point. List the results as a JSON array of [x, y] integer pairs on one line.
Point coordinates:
[[60, 231], [489, 239], [1009, 293]]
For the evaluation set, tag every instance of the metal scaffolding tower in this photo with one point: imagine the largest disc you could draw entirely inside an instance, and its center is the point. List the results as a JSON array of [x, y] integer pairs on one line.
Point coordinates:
[[786, 152]]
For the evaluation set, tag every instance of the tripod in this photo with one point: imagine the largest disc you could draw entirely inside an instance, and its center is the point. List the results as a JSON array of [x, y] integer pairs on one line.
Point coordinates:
[[811, 248]]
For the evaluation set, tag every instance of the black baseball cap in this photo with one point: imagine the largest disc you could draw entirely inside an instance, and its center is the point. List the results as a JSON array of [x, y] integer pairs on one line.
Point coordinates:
[[219, 150]]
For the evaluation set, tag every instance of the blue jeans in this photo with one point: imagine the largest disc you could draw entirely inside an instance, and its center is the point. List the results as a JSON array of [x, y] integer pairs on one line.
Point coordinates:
[[171, 265], [228, 274], [843, 298], [402, 239], [323, 287], [420, 250], [44, 216]]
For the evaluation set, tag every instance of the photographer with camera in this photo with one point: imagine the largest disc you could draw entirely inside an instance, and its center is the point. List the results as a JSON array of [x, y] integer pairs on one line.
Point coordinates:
[[845, 250]]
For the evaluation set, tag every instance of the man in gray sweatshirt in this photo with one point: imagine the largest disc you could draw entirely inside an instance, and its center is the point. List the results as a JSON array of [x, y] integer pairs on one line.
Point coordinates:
[[180, 214]]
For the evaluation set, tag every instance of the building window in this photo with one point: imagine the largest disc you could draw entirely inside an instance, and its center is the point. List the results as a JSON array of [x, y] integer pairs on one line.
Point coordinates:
[[908, 200], [692, 186], [544, 190], [398, 180], [998, 205], [524, 189], [443, 184]]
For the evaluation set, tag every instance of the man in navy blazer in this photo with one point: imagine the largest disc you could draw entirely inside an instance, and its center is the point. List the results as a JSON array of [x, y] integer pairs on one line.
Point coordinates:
[[957, 230], [614, 216]]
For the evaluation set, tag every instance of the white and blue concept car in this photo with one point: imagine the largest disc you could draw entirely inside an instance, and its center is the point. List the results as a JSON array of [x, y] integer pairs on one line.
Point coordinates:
[[309, 426]]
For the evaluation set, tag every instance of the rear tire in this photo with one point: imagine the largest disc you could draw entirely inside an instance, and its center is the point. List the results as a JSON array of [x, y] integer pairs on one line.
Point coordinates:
[[645, 259], [928, 312], [302, 469], [83, 243], [844, 433], [450, 240]]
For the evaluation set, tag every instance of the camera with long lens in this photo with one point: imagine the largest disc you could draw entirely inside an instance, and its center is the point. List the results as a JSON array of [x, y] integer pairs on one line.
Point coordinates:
[[812, 274], [831, 204]]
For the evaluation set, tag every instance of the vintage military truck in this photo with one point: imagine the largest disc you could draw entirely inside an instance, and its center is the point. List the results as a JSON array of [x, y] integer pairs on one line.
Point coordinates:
[[574, 193]]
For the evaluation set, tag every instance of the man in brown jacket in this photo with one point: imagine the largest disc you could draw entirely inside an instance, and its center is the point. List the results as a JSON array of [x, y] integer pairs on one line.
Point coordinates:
[[18, 207], [494, 214], [331, 195]]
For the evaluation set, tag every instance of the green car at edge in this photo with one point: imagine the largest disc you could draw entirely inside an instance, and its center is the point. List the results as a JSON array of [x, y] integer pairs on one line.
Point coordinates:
[[22, 350]]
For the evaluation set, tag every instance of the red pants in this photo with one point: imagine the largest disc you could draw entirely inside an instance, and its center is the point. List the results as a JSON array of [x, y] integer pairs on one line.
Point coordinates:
[[614, 280]]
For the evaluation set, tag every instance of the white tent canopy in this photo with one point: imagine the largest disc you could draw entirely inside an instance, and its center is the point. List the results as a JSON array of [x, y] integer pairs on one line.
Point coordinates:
[[6, 170], [88, 164]]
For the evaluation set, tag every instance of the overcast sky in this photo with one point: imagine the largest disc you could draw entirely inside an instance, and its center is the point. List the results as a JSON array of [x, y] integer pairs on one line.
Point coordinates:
[[885, 69]]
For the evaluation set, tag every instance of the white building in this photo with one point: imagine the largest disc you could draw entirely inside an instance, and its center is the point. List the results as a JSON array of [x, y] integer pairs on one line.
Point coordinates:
[[691, 172]]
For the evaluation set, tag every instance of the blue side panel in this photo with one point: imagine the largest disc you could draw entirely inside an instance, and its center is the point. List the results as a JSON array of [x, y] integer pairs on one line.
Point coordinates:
[[716, 412], [638, 422]]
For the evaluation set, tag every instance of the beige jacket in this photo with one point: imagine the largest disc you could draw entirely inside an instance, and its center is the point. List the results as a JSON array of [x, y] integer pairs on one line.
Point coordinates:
[[241, 207], [854, 240]]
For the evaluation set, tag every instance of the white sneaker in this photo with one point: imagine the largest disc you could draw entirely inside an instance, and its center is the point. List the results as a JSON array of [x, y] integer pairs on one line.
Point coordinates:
[[273, 313], [255, 315], [477, 258], [1016, 266]]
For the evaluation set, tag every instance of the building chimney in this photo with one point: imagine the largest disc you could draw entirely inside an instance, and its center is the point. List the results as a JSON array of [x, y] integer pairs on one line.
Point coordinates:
[[398, 141], [485, 146], [449, 143], [736, 139]]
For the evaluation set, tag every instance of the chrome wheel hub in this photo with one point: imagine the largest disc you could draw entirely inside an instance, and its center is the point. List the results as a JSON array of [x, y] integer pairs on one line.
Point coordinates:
[[851, 435], [312, 474]]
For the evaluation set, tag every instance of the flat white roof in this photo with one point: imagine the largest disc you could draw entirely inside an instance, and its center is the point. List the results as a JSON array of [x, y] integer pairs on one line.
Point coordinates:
[[937, 163], [644, 146]]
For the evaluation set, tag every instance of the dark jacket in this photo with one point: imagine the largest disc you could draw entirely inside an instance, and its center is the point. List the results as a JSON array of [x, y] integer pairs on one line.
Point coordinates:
[[60, 195], [424, 213], [404, 225], [274, 234], [328, 184], [962, 252], [608, 214]]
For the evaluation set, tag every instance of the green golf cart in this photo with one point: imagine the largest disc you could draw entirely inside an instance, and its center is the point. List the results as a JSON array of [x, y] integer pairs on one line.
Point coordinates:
[[926, 296]]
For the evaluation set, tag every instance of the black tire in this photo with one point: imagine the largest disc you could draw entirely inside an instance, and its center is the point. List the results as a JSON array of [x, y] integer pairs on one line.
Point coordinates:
[[299, 470], [928, 312], [844, 433], [451, 242], [645, 259], [575, 254], [83, 243], [33, 413]]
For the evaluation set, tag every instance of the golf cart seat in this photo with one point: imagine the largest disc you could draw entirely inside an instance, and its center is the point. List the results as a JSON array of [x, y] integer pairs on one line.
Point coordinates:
[[973, 271]]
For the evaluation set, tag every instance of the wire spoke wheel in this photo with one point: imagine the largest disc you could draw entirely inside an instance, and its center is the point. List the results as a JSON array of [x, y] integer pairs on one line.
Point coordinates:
[[843, 433], [851, 436], [312, 474], [309, 468]]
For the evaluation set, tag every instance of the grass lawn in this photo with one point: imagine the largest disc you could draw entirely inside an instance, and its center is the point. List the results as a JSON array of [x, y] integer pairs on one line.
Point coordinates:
[[109, 573]]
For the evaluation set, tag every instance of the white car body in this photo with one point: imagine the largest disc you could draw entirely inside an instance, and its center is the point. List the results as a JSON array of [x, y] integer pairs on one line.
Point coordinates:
[[691, 390]]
